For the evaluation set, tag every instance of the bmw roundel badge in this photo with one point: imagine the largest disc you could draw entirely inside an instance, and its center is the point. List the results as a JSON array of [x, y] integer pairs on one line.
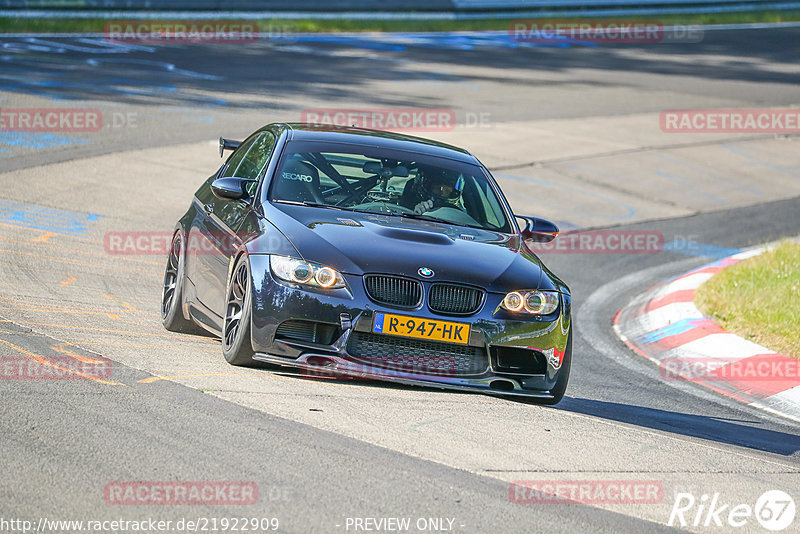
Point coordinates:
[[425, 272]]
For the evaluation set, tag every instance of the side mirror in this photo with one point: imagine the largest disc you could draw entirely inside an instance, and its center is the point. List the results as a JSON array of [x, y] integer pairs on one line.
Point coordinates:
[[227, 144], [231, 188], [538, 230]]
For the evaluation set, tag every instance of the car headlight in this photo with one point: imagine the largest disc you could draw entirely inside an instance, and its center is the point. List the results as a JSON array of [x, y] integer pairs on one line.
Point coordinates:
[[304, 272], [533, 302]]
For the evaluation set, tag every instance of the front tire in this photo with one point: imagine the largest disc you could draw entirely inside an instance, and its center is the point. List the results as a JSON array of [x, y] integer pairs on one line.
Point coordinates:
[[236, 345]]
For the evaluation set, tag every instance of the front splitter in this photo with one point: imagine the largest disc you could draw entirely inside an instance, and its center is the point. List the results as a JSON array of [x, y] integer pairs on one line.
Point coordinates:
[[326, 365]]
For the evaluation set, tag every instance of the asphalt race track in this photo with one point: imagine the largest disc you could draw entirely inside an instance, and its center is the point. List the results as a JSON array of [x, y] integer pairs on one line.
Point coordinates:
[[572, 134]]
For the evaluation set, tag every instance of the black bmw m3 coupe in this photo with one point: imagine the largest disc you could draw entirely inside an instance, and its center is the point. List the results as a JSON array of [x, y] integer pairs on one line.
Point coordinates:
[[360, 253]]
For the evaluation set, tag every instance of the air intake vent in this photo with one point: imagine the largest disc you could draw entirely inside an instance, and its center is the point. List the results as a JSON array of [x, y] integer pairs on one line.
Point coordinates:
[[454, 299], [393, 290], [518, 360], [307, 331], [417, 356]]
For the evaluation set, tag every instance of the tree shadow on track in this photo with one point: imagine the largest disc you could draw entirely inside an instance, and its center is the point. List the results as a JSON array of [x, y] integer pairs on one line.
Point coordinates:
[[742, 433], [343, 69]]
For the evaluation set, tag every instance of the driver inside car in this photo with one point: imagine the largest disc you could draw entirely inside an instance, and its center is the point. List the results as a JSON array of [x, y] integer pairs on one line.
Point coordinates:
[[432, 188]]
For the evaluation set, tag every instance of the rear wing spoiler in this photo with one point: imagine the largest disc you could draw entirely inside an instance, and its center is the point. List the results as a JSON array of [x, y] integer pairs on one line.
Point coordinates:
[[227, 144]]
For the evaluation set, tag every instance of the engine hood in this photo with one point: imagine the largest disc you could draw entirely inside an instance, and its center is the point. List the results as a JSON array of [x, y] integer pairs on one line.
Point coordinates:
[[359, 243]]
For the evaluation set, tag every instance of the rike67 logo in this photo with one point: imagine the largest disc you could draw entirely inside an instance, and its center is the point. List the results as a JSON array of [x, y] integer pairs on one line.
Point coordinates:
[[774, 510]]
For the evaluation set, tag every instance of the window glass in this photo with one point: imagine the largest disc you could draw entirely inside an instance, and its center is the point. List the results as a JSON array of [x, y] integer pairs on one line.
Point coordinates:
[[375, 180], [250, 159], [491, 207], [236, 158], [253, 163]]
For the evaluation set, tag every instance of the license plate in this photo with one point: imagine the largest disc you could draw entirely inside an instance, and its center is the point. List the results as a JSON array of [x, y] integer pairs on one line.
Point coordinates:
[[402, 325]]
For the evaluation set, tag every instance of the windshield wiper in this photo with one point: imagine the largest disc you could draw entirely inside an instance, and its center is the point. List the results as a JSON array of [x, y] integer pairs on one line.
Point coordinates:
[[312, 204], [388, 211], [431, 218], [330, 206]]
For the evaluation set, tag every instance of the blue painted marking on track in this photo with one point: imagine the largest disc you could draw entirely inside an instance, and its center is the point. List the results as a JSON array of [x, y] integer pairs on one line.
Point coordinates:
[[372, 44], [192, 117], [718, 176], [46, 87], [780, 168], [400, 41], [679, 327], [38, 139], [684, 185], [718, 263], [16, 77], [47, 219], [699, 249]]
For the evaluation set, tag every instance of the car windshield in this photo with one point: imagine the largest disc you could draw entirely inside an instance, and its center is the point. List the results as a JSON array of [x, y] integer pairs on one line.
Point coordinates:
[[372, 180]]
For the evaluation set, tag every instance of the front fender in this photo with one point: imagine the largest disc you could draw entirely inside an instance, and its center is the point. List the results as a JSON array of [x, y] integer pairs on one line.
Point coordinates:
[[269, 240]]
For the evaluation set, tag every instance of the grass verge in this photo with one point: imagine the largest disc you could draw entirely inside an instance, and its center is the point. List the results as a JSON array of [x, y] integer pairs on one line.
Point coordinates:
[[267, 25], [759, 299]]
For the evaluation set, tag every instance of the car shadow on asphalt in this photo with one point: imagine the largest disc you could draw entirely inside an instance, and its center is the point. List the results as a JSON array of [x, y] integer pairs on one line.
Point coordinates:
[[742, 433], [354, 381]]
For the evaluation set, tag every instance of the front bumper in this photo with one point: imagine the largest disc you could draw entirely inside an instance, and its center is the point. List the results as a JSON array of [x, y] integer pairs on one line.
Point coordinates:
[[350, 312]]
